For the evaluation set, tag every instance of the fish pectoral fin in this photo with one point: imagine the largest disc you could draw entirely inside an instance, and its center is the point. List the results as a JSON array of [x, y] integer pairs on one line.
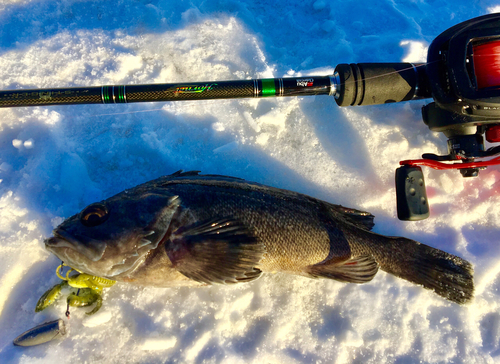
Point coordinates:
[[216, 251], [360, 269]]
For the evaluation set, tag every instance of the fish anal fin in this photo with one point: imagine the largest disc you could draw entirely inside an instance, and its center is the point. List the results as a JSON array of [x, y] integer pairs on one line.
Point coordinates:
[[359, 269], [216, 251], [252, 275]]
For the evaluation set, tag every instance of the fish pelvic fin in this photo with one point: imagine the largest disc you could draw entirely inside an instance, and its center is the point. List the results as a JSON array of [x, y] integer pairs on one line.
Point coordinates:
[[447, 275], [216, 251], [360, 269]]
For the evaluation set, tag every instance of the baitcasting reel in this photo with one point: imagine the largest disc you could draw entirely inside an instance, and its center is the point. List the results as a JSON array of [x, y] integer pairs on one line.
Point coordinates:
[[462, 75]]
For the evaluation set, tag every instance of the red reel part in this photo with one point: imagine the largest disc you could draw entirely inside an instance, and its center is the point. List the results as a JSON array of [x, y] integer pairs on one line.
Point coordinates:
[[440, 165], [493, 134], [487, 64]]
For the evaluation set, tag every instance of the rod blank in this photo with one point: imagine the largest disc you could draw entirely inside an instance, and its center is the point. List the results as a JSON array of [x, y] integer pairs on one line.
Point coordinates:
[[297, 86]]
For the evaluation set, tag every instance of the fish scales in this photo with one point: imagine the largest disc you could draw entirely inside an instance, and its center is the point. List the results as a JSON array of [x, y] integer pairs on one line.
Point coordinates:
[[192, 229], [287, 224]]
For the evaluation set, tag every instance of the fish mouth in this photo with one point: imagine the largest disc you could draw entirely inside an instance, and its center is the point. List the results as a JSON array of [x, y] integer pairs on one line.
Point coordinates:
[[92, 249], [88, 259]]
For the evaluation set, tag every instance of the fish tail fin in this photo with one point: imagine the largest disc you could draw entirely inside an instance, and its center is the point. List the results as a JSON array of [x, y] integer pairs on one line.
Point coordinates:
[[448, 275]]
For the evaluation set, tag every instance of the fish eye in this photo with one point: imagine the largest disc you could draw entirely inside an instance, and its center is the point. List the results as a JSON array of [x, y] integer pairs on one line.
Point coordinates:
[[94, 215]]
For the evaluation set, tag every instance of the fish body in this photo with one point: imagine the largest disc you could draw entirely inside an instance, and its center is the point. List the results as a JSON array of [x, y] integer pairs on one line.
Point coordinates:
[[192, 229]]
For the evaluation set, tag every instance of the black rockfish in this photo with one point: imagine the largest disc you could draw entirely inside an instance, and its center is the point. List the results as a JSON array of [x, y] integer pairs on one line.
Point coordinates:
[[192, 229]]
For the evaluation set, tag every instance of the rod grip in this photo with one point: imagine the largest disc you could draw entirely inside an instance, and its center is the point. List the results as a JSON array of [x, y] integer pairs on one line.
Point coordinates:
[[380, 83]]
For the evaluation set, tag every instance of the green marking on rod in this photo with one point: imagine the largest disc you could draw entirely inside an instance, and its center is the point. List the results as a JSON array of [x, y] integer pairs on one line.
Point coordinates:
[[105, 94], [121, 94], [268, 87]]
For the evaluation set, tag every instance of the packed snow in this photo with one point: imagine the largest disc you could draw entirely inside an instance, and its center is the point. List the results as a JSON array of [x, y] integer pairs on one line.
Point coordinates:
[[56, 160]]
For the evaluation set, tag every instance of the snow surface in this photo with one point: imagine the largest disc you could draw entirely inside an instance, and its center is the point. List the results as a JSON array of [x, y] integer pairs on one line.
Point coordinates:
[[56, 160]]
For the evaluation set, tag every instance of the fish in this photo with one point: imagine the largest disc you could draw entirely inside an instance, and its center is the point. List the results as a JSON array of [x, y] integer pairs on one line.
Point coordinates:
[[192, 229]]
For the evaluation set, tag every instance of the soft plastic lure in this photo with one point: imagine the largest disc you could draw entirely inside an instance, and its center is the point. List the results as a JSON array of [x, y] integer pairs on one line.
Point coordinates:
[[89, 291]]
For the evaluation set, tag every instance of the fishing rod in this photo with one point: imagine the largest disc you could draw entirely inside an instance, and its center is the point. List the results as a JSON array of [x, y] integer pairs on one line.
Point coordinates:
[[462, 75], [392, 87]]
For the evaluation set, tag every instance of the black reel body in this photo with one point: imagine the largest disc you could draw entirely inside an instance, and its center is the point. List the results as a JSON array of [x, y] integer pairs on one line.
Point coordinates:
[[452, 73], [464, 104]]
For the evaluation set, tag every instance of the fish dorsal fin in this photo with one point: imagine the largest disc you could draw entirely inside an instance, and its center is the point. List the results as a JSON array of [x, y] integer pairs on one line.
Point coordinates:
[[361, 219], [181, 173], [216, 251], [359, 269]]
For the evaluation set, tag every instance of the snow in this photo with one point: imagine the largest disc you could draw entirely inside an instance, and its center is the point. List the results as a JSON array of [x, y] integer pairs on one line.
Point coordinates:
[[56, 160]]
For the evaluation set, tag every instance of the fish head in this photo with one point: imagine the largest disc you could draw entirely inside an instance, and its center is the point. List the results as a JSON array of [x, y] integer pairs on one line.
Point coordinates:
[[114, 236]]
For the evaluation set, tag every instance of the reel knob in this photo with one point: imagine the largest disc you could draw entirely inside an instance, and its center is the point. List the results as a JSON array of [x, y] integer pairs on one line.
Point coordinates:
[[410, 193], [493, 134]]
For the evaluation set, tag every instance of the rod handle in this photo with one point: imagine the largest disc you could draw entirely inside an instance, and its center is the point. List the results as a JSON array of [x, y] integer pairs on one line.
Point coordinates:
[[380, 83]]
